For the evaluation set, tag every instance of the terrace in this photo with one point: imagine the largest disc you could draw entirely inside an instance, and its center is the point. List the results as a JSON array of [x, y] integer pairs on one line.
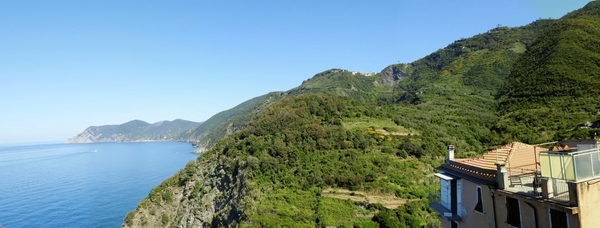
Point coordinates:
[[530, 184], [557, 168]]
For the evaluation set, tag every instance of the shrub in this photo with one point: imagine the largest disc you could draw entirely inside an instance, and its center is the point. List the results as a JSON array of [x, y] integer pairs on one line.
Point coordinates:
[[164, 219]]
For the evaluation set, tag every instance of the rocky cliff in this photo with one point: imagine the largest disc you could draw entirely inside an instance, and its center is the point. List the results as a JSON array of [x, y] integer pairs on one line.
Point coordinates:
[[206, 193]]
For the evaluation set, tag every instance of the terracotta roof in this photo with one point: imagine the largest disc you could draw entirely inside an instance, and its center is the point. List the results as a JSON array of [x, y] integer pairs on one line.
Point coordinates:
[[517, 157], [560, 148]]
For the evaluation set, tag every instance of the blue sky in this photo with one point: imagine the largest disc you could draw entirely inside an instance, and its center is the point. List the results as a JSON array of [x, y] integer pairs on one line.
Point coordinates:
[[67, 65]]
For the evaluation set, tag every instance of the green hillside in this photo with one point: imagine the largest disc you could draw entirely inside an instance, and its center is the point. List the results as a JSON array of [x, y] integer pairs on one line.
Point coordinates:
[[207, 134], [337, 81], [450, 94], [344, 83], [299, 157], [483, 61], [556, 84], [349, 150], [467, 73]]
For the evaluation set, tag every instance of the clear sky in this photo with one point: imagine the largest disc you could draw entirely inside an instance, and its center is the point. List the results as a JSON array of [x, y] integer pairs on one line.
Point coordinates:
[[67, 65]]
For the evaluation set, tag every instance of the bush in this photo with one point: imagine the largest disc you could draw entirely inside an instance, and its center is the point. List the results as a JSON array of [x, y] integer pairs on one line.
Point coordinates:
[[387, 218], [166, 196], [164, 219]]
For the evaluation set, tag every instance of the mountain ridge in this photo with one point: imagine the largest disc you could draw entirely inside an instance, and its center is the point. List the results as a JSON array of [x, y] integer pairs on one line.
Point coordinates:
[[134, 131], [402, 82]]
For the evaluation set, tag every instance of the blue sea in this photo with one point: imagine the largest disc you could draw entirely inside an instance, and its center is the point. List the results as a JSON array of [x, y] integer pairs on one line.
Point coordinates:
[[82, 185]]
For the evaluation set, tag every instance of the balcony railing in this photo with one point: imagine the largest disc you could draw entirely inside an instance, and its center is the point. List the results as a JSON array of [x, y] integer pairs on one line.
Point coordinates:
[[571, 166]]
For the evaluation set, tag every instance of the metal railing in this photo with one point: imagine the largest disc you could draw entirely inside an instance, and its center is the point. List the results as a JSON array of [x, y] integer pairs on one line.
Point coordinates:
[[560, 191], [524, 181]]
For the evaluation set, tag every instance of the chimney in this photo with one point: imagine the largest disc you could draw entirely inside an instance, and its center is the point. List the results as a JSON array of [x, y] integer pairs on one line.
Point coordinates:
[[501, 175], [450, 155]]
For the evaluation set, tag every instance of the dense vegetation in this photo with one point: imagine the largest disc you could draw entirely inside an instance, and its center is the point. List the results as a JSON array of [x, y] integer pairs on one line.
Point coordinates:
[[450, 94], [302, 145], [483, 61], [342, 82], [555, 85], [223, 123]]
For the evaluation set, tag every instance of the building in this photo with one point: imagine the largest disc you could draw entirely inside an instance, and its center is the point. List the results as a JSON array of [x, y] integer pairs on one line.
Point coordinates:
[[521, 185]]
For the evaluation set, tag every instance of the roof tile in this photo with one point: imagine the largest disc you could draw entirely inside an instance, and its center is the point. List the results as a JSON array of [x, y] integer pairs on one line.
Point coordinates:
[[518, 157]]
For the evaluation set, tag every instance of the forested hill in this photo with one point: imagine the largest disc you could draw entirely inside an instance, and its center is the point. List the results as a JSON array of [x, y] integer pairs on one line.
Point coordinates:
[[476, 67], [295, 163], [483, 61], [207, 134], [337, 81], [556, 84], [134, 131], [451, 94]]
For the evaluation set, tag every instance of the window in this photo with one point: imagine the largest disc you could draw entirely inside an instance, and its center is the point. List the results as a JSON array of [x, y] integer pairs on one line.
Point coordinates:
[[558, 219], [479, 206], [513, 212]]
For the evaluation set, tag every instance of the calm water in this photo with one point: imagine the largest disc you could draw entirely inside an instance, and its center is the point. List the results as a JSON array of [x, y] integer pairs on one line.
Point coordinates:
[[82, 185]]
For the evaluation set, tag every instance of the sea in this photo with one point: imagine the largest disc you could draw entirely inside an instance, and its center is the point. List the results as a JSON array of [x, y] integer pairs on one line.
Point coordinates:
[[82, 185]]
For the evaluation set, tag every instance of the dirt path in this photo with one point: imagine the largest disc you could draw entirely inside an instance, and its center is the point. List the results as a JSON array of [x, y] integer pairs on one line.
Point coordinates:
[[388, 201], [384, 132]]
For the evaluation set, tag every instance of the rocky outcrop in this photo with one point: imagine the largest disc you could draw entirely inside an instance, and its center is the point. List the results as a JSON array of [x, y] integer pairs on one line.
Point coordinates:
[[207, 193], [393, 74]]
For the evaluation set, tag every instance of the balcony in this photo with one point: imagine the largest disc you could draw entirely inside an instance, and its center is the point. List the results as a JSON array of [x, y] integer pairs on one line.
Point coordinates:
[[576, 166], [531, 184], [441, 207], [444, 211]]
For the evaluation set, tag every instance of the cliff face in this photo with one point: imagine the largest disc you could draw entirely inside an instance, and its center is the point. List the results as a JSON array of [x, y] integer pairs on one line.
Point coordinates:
[[207, 193], [134, 131], [394, 73]]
